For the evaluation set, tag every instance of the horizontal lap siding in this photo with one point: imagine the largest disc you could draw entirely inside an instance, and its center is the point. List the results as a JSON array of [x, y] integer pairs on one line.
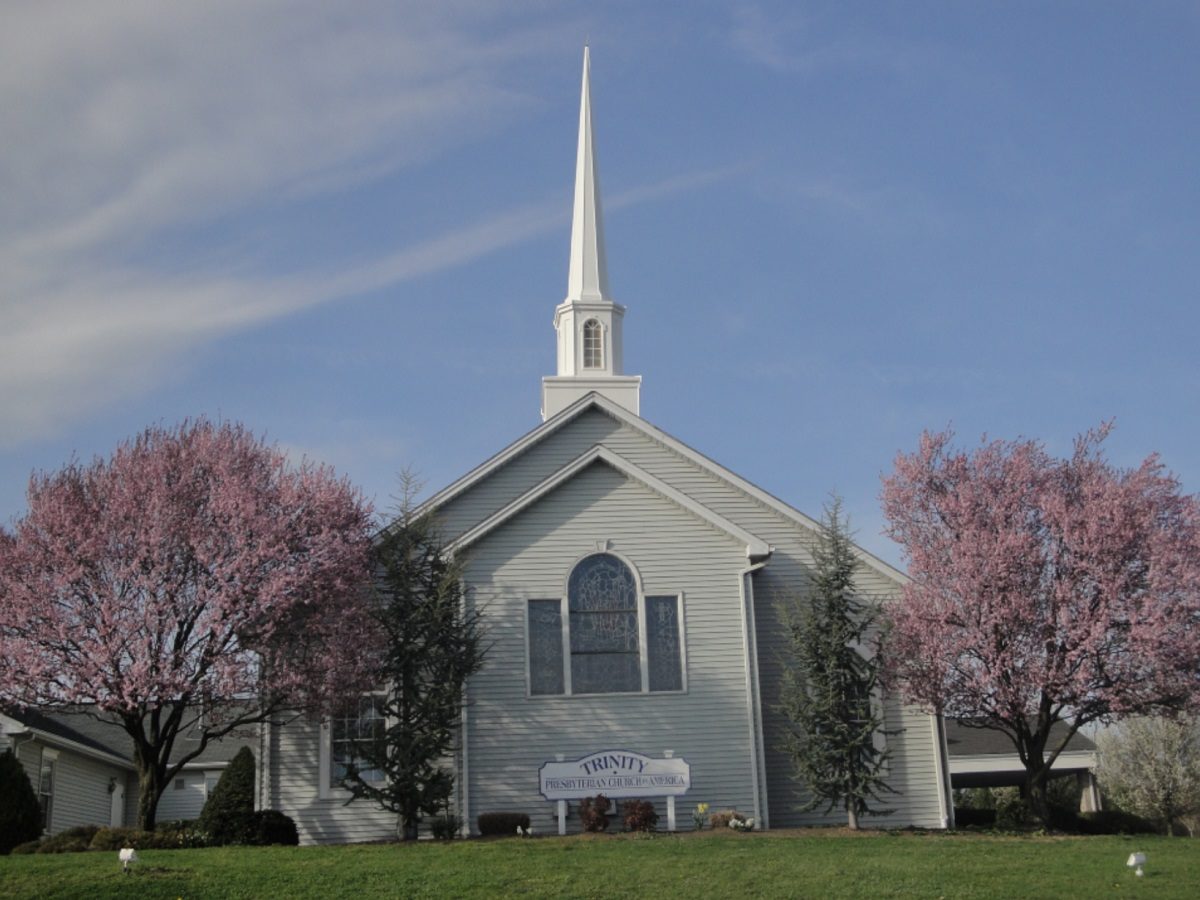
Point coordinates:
[[913, 766], [182, 803], [81, 795], [674, 552], [295, 781]]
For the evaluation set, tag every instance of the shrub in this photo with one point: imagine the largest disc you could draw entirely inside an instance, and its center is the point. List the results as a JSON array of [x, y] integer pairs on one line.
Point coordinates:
[[501, 824], [72, 840], [27, 847], [639, 815], [225, 817], [20, 815], [593, 813], [1114, 821], [738, 822], [184, 834], [446, 827], [273, 827], [967, 817], [116, 838], [1011, 812], [719, 820]]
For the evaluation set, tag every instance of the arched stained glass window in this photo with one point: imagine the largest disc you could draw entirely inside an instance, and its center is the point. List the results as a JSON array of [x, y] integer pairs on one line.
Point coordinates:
[[593, 345], [593, 635], [602, 599]]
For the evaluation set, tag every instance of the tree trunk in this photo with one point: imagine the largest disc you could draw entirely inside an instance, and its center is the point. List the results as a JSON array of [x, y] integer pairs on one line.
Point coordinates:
[[852, 817], [1035, 794], [148, 794], [407, 827]]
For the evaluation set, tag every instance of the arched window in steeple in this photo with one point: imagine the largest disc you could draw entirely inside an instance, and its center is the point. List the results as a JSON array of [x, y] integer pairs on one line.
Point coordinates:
[[593, 345]]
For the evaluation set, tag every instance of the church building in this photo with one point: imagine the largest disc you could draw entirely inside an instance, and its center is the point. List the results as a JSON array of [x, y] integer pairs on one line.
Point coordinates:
[[628, 586]]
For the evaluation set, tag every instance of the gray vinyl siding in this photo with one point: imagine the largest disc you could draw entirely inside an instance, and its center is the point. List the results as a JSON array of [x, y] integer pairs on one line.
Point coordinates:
[[913, 764], [510, 735], [81, 795], [295, 791], [182, 802]]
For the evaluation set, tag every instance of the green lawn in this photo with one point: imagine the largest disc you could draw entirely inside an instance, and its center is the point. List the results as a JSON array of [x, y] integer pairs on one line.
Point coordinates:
[[705, 867]]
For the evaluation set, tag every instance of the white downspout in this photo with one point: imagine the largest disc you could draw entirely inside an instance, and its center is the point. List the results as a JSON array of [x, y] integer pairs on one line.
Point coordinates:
[[940, 756], [463, 783], [754, 719]]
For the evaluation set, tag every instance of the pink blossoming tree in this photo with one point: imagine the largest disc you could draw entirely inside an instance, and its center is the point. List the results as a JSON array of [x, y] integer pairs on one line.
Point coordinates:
[[1043, 590], [193, 583]]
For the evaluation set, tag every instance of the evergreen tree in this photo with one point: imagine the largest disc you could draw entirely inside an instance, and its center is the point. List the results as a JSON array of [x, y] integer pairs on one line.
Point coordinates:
[[829, 679], [433, 644], [226, 814], [20, 815]]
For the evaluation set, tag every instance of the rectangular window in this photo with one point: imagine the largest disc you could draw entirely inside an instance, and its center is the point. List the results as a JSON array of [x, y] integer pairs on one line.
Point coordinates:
[[605, 655], [46, 788], [348, 734], [179, 783], [545, 647], [662, 644], [604, 651]]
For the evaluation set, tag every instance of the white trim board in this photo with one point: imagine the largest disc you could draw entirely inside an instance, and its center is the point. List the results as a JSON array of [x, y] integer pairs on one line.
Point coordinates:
[[756, 548], [596, 401]]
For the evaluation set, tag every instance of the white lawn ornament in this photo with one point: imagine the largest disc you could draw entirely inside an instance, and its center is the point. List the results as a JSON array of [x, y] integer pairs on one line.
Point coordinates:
[[128, 856], [1136, 861]]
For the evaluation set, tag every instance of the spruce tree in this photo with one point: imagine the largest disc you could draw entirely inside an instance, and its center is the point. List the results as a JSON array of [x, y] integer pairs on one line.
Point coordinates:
[[433, 645], [829, 680]]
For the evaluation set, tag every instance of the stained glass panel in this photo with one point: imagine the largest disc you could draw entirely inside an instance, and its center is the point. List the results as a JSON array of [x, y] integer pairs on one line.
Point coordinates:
[[662, 644], [545, 647]]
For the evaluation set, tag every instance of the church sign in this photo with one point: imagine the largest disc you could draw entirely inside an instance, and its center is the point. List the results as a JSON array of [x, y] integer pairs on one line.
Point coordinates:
[[615, 774]]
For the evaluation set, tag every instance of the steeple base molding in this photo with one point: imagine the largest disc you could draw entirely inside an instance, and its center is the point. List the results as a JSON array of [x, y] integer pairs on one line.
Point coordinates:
[[560, 391]]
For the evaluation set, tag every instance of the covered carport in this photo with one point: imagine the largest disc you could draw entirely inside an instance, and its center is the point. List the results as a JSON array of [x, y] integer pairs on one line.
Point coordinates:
[[982, 757]]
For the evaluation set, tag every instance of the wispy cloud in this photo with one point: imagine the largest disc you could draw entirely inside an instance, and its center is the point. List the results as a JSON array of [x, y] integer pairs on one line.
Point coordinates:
[[129, 121], [788, 41], [125, 122]]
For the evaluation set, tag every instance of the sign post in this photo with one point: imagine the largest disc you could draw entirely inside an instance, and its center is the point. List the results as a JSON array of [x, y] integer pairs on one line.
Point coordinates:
[[616, 774]]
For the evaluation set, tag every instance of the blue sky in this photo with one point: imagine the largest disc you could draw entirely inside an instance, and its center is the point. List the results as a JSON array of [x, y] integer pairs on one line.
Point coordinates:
[[833, 225]]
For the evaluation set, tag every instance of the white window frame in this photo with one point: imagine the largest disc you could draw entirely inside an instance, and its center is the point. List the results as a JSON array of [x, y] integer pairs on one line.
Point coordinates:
[[49, 758], [643, 648], [325, 790], [601, 336]]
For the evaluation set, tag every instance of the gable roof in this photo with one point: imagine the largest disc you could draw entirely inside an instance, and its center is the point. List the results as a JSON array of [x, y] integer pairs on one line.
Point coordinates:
[[637, 423], [756, 548], [78, 732], [80, 729], [975, 740]]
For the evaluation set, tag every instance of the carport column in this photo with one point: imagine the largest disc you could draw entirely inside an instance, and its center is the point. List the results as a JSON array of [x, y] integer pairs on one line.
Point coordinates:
[[562, 804], [667, 754], [1089, 798]]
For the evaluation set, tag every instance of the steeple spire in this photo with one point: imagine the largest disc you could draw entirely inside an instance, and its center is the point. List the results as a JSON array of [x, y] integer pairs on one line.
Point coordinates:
[[587, 278], [587, 321]]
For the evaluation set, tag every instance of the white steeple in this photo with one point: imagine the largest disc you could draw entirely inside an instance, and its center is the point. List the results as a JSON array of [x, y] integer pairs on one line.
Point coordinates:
[[587, 278], [587, 321]]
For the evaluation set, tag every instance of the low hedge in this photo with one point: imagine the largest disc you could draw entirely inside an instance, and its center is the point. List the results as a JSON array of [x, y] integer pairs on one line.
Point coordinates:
[[967, 817], [502, 824], [71, 840]]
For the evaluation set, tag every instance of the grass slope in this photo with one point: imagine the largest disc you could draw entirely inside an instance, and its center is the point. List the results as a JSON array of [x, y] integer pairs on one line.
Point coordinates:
[[775, 864]]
